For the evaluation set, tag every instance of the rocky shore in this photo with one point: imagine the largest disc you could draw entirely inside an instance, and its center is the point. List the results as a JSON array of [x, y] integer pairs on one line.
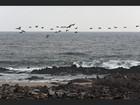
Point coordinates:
[[116, 86], [73, 70]]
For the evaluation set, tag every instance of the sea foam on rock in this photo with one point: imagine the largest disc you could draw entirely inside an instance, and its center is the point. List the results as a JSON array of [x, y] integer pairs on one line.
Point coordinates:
[[73, 70]]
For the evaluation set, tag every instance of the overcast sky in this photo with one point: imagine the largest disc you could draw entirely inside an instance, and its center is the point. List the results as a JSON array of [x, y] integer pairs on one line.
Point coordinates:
[[83, 16]]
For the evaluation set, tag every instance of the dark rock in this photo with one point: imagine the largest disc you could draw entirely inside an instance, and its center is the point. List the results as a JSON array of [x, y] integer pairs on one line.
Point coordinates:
[[73, 70], [3, 70], [116, 86], [34, 78]]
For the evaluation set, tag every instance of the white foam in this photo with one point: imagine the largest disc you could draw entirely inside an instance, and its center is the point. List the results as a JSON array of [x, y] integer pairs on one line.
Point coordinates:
[[94, 63], [111, 64], [87, 64], [25, 69], [76, 64]]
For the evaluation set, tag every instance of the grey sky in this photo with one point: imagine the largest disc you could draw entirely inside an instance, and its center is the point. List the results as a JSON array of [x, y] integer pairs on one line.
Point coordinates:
[[83, 16]]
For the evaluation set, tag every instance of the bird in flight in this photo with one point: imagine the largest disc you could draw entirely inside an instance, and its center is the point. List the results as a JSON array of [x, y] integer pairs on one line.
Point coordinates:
[[22, 31], [19, 28], [36, 26], [90, 28], [51, 28], [67, 30], [59, 31], [70, 25], [109, 28], [99, 27]]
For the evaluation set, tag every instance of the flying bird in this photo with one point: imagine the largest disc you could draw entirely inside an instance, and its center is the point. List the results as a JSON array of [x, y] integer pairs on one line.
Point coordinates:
[[109, 28], [70, 25], [51, 29], [59, 31], [90, 28], [22, 31], [63, 26], [36, 26], [76, 27], [67, 30], [99, 27], [19, 28], [137, 25]]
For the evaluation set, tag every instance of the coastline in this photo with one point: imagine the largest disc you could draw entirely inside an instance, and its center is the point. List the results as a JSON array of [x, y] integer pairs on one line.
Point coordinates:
[[115, 86]]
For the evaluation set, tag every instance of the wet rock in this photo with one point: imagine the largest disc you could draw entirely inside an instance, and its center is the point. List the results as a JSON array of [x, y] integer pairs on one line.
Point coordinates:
[[72, 95], [51, 92], [34, 78], [116, 86], [3, 70], [59, 93], [18, 89]]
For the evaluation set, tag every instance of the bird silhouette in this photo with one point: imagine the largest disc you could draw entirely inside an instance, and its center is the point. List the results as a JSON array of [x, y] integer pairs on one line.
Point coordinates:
[[70, 25], [109, 28], [36, 26], [115, 27], [51, 29], [42, 27], [99, 27], [137, 25], [124, 27], [59, 31], [19, 28], [63, 26], [22, 31], [90, 28]]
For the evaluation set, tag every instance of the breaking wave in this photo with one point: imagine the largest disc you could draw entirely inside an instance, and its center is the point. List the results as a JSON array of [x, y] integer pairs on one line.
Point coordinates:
[[80, 66], [111, 64]]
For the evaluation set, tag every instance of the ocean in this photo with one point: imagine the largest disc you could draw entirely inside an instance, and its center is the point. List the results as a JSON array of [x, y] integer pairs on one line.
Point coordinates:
[[33, 50]]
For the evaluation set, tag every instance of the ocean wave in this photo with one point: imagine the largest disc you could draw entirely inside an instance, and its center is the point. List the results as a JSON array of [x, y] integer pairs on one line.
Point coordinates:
[[28, 69], [84, 67], [111, 64], [73, 53]]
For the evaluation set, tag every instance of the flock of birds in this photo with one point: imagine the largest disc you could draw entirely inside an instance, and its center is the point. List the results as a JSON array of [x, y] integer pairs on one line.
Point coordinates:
[[67, 28]]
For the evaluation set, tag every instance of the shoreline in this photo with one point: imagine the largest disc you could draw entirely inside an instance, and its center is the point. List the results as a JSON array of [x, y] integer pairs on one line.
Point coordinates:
[[115, 86]]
